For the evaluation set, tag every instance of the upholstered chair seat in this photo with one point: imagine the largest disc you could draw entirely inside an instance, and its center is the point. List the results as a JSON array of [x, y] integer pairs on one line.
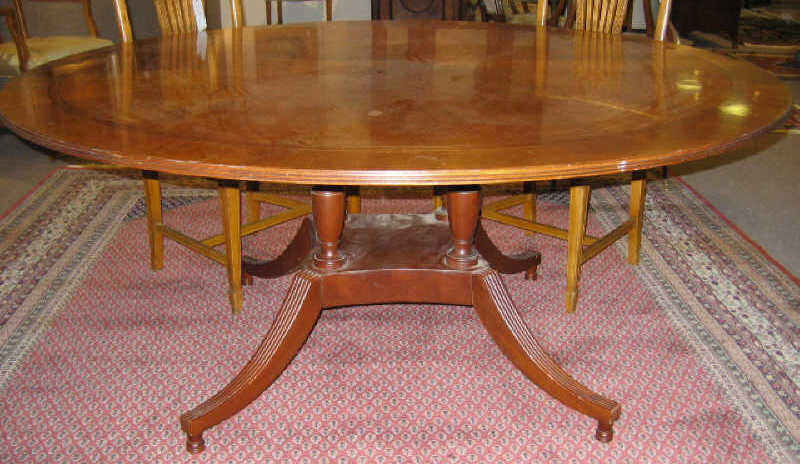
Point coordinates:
[[45, 49]]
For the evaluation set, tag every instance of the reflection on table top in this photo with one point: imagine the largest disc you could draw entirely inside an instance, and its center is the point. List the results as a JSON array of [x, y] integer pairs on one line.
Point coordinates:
[[389, 103]]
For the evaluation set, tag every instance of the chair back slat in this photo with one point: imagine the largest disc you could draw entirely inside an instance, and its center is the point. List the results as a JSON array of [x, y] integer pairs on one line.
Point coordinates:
[[175, 16], [609, 10], [180, 16], [603, 15], [606, 16], [580, 15], [123, 20], [20, 18], [662, 24]]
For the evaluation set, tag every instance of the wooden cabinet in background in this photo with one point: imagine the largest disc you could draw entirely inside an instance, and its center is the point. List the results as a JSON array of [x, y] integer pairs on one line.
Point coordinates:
[[405, 9], [712, 16]]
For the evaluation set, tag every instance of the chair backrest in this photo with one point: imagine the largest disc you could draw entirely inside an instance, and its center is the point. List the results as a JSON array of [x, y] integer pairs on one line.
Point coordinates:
[[508, 8], [607, 16], [176, 16], [18, 27], [23, 25], [180, 16], [328, 10]]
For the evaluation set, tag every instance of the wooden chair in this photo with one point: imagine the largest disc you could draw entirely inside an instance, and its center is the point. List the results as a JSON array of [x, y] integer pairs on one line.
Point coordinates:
[[353, 196], [27, 52], [188, 17], [610, 19], [519, 11], [607, 16], [328, 10]]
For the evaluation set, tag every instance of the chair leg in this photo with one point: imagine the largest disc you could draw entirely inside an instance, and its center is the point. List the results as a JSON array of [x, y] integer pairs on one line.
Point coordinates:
[[253, 205], [353, 200], [638, 191], [578, 209], [529, 191], [438, 202], [230, 198], [439, 208], [152, 196]]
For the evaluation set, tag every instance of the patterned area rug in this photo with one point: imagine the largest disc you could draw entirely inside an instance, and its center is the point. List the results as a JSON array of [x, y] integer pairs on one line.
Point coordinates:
[[782, 65], [792, 124], [99, 354], [762, 26]]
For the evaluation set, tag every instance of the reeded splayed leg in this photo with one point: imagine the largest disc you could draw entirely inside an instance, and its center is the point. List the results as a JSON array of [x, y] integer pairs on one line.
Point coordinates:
[[290, 329], [294, 254], [504, 264], [504, 323]]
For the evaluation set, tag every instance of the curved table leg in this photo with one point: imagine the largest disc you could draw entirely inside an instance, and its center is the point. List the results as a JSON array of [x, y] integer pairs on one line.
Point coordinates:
[[504, 323], [288, 333], [290, 259], [504, 264]]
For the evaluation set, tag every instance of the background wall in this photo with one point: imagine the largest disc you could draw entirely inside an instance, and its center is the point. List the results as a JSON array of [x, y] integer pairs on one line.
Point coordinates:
[[637, 14], [293, 11]]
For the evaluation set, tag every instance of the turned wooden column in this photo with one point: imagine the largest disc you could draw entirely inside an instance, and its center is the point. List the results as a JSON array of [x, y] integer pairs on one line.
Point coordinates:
[[328, 209], [463, 211]]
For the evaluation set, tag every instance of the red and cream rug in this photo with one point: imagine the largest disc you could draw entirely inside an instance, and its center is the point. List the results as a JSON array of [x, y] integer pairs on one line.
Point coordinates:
[[99, 354]]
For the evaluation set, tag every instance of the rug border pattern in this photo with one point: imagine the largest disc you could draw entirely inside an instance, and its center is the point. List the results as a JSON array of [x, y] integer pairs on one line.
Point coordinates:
[[710, 344]]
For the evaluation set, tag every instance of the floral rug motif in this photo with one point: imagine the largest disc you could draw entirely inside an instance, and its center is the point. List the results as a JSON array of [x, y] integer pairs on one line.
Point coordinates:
[[99, 354]]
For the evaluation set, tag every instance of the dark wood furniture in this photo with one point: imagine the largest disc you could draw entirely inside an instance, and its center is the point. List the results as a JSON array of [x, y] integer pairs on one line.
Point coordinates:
[[712, 16], [184, 17], [607, 17], [442, 103], [417, 9]]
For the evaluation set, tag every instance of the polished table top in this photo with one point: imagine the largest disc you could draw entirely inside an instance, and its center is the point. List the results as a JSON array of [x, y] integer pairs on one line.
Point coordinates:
[[390, 103]]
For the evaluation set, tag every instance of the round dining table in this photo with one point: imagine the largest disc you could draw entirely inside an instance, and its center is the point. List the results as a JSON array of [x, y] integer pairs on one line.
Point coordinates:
[[334, 105]]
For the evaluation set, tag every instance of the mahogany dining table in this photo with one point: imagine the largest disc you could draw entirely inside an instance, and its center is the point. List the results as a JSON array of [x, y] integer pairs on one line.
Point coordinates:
[[402, 103]]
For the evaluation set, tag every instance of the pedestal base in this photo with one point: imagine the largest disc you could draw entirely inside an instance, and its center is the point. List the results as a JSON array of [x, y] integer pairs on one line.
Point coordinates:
[[391, 259]]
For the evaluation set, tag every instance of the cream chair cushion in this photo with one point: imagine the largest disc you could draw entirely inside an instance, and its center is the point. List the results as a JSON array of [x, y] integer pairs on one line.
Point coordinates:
[[521, 17], [527, 19], [45, 49]]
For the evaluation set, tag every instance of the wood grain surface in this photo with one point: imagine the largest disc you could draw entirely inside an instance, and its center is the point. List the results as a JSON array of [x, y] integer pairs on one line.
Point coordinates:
[[394, 103]]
